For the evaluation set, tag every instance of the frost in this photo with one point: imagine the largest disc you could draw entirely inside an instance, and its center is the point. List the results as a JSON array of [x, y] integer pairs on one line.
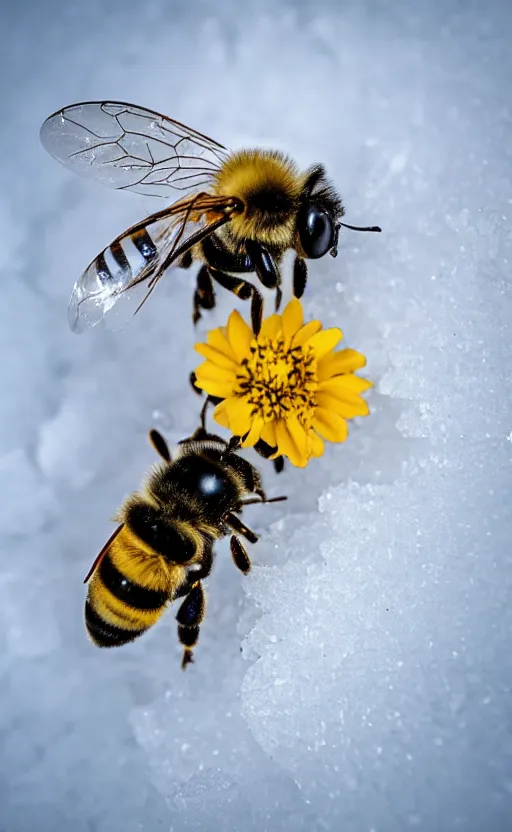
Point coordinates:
[[359, 678]]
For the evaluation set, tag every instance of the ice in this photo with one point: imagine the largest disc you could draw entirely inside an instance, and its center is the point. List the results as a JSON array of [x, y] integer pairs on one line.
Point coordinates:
[[359, 678]]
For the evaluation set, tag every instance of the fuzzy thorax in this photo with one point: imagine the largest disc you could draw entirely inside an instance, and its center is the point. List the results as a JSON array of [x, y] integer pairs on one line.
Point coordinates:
[[269, 184]]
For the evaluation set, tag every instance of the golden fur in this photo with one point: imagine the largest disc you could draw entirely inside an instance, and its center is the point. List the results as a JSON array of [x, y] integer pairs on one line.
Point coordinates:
[[247, 173]]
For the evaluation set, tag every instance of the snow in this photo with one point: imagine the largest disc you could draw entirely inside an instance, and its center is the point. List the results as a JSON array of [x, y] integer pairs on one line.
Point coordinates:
[[359, 678]]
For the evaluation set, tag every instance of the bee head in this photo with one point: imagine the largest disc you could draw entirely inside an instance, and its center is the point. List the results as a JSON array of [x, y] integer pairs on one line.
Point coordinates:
[[317, 220], [201, 472]]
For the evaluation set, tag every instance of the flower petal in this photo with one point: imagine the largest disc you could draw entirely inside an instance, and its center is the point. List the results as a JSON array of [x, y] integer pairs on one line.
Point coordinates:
[[343, 407], [216, 381], [348, 383], [217, 338], [292, 319], [219, 389], [305, 333], [344, 361], [287, 446], [329, 425], [239, 335], [257, 425], [235, 414], [209, 370], [325, 341], [220, 414], [268, 434], [217, 357], [271, 327], [317, 445], [298, 435]]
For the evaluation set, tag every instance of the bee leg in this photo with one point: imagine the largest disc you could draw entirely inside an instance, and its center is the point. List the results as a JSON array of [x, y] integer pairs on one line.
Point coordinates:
[[239, 527], [278, 464], [244, 290], [239, 555], [186, 260], [300, 276], [204, 295], [279, 297], [256, 311], [189, 617], [203, 414], [265, 450], [159, 444], [264, 264], [201, 434], [192, 382]]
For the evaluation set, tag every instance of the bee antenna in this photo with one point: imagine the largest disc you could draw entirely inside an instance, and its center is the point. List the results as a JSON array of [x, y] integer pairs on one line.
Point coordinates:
[[253, 501], [359, 228]]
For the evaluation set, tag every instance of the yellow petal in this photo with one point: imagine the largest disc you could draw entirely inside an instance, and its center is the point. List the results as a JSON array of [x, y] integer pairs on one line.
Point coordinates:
[[239, 335], [220, 414], [217, 357], [219, 389], [316, 444], [298, 435], [329, 425], [209, 370], [215, 381], [268, 434], [217, 338], [287, 446], [347, 409], [348, 383], [344, 361], [235, 414], [305, 333], [292, 319], [271, 327], [325, 341], [257, 425]]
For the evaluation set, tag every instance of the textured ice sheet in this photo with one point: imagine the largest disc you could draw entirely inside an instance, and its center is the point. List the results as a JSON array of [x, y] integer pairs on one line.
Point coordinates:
[[359, 678]]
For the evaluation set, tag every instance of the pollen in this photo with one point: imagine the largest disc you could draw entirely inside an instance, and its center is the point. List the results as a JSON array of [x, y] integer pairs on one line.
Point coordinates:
[[277, 381]]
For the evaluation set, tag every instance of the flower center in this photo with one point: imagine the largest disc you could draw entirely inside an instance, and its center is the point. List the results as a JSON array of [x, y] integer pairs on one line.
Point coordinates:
[[278, 381]]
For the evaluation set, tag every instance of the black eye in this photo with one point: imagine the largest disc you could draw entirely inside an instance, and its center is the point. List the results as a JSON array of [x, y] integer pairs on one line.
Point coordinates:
[[200, 477], [316, 231], [207, 484], [210, 485]]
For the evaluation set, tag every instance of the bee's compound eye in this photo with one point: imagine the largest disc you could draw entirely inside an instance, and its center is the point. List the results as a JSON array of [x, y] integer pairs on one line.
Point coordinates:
[[210, 485], [316, 231]]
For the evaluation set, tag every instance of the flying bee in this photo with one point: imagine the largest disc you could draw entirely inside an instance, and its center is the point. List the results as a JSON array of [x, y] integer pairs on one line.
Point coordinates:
[[163, 547], [238, 213]]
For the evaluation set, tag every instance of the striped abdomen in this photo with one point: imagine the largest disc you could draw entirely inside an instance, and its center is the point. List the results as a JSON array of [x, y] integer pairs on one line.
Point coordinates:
[[128, 592]]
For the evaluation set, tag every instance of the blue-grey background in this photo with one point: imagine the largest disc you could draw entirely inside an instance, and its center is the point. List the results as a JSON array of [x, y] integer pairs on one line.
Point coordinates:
[[372, 690]]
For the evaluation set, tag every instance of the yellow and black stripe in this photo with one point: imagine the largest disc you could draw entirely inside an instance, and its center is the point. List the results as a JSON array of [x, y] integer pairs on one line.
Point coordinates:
[[128, 592]]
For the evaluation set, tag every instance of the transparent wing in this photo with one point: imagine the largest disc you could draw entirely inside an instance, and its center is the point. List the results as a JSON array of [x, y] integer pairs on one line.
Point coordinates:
[[131, 148], [117, 282]]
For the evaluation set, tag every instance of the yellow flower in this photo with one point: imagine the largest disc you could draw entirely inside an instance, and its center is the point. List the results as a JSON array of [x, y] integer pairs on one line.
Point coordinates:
[[285, 386]]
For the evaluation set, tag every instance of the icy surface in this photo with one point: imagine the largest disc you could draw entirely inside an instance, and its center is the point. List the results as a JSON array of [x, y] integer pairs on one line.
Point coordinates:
[[359, 679]]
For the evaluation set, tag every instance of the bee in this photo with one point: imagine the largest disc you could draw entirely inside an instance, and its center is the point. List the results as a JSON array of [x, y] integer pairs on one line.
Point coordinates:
[[238, 212], [162, 549]]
